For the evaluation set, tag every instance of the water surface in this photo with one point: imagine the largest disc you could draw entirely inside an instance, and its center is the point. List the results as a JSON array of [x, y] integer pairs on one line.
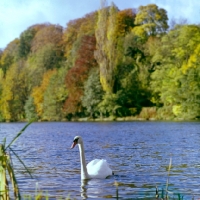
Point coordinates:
[[138, 153]]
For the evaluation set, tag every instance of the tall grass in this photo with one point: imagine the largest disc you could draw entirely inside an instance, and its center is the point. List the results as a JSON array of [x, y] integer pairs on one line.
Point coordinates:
[[7, 168]]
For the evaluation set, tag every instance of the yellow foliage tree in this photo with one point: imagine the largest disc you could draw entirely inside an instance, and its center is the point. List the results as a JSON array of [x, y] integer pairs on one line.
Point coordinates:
[[14, 92], [150, 20], [9, 55], [106, 37], [38, 92]]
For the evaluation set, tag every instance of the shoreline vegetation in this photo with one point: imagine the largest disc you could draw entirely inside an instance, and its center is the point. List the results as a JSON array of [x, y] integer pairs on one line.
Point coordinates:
[[147, 114]]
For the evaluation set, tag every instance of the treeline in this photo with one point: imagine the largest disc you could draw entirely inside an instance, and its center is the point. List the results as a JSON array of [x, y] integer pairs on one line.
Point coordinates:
[[110, 63]]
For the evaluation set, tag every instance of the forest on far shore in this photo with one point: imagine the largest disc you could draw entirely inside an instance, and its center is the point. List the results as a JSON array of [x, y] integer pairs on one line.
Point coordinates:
[[110, 64]]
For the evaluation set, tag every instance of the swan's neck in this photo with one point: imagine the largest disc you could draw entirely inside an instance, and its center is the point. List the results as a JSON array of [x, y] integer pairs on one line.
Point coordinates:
[[84, 173]]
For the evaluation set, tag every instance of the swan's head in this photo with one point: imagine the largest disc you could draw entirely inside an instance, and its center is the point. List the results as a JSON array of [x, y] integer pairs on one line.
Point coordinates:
[[77, 140]]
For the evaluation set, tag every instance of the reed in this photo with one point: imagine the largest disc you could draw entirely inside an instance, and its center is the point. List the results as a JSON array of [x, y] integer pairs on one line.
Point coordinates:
[[6, 168], [165, 193]]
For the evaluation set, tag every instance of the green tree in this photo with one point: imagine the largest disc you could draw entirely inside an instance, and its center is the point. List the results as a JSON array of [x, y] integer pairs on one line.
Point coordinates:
[[9, 55], [150, 20], [46, 58], [137, 70], [174, 81], [93, 93], [25, 41], [30, 109]]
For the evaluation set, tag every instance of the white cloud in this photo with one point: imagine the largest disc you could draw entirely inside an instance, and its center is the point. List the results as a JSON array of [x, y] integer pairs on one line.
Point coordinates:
[[180, 9]]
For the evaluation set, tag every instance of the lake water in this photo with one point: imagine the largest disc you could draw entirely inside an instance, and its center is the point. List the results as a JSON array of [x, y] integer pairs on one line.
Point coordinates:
[[138, 153]]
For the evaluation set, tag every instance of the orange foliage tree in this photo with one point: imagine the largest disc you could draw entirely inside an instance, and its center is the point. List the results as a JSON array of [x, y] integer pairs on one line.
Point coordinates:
[[125, 21], [77, 28], [48, 34], [78, 74]]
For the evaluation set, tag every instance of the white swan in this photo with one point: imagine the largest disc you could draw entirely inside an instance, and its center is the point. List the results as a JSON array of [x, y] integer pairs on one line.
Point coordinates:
[[97, 168]]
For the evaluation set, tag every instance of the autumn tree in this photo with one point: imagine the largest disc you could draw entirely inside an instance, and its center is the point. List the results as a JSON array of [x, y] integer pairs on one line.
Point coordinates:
[[38, 92], [78, 74], [46, 52], [75, 30], [112, 26], [101, 54], [55, 96], [9, 55], [14, 92], [150, 20], [125, 21], [48, 34]]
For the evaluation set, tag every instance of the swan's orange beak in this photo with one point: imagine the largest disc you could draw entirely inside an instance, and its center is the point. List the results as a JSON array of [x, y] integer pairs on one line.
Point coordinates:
[[73, 145]]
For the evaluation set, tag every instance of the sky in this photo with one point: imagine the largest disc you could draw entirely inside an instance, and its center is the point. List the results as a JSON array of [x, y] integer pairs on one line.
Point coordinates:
[[17, 15]]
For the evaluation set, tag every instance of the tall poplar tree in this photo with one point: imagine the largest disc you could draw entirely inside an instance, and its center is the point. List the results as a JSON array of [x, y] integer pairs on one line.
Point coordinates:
[[101, 38]]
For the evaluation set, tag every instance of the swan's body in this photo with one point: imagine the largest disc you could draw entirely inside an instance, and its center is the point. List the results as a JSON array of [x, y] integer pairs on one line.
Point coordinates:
[[97, 168]]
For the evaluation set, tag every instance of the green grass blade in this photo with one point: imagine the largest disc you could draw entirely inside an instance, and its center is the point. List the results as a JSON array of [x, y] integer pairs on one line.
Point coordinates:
[[21, 162], [13, 180], [16, 137], [4, 142]]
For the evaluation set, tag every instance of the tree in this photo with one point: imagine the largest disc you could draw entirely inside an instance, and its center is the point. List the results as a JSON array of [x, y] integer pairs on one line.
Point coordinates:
[[109, 105], [30, 109], [46, 52], [38, 92], [48, 34], [55, 96], [125, 21], [46, 58], [14, 92], [25, 41], [106, 45], [151, 20], [174, 81], [112, 26], [9, 55], [78, 74], [93, 93], [75, 30]]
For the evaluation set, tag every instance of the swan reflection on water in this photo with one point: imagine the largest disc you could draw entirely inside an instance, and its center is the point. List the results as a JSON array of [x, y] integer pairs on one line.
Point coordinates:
[[84, 183], [89, 188]]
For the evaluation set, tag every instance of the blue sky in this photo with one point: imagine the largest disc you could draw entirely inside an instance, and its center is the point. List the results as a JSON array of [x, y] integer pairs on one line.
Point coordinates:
[[17, 15]]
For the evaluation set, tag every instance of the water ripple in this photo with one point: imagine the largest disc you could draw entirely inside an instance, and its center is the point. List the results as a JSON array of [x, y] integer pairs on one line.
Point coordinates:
[[138, 153]]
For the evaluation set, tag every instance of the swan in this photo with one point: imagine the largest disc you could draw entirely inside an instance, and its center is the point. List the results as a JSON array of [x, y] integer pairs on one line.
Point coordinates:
[[97, 168]]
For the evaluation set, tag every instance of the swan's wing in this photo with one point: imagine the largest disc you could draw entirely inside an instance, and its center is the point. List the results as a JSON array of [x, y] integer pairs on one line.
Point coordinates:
[[92, 163], [98, 168]]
